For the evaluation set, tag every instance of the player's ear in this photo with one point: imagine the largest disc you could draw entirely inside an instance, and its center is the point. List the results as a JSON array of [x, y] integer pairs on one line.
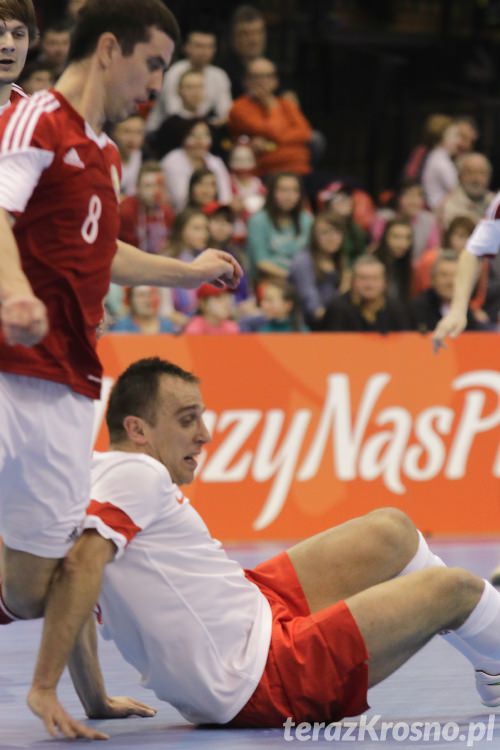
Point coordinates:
[[107, 48], [134, 427]]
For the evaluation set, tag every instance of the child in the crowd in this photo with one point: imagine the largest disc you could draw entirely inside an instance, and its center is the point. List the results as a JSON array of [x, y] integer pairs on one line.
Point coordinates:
[[202, 189], [143, 316], [341, 202], [189, 237], [280, 231], [220, 229], [279, 307], [320, 272], [249, 192], [410, 204], [395, 252], [215, 311]]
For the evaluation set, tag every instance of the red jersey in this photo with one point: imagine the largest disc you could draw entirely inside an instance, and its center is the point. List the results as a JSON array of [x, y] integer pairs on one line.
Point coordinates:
[[61, 181]]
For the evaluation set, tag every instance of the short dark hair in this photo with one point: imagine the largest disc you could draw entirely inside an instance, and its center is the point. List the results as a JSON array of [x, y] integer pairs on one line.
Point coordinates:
[[129, 20], [20, 10], [246, 14], [135, 393], [59, 27]]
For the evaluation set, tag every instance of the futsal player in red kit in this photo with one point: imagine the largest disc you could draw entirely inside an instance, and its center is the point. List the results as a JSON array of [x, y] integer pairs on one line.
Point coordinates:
[[17, 32], [59, 185]]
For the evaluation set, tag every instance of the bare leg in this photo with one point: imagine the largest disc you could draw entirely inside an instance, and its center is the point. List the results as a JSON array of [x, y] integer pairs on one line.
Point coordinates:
[[354, 556], [26, 581], [397, 618]]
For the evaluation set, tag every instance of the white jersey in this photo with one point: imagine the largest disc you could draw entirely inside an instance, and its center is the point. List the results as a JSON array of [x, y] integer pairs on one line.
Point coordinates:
[[485, 239], [179, 610]]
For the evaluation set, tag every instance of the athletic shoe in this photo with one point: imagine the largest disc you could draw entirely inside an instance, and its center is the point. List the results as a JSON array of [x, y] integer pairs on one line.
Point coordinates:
[[488, 687]]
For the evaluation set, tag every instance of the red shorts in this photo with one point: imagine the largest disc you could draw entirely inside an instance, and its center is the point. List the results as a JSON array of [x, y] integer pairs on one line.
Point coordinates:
[[317, 668]]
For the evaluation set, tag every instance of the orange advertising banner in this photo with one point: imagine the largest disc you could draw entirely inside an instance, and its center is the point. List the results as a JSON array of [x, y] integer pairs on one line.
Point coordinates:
[[311, 430]]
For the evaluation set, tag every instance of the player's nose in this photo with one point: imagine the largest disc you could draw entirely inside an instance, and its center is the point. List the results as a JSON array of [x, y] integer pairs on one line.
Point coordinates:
[[7, 43], [155, 82]]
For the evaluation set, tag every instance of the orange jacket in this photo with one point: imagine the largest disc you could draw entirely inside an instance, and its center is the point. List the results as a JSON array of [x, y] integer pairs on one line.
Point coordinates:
[[283, 124]]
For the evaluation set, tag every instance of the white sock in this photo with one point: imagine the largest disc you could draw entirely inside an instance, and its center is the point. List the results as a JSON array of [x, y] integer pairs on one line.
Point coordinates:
[[478, 639]]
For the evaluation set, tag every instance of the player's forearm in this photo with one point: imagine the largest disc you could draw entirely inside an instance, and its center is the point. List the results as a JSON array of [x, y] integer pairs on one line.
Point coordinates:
[[133, 267], [72, 596], [85, 670], [13, 280], [468, 270]]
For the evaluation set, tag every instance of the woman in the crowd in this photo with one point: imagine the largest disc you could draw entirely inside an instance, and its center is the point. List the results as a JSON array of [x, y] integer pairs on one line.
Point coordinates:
[[179, 164], [278, 232], [320, 272], [395, 252]]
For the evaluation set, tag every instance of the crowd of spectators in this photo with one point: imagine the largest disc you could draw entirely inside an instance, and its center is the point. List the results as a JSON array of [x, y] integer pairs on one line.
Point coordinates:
[[225, 157]]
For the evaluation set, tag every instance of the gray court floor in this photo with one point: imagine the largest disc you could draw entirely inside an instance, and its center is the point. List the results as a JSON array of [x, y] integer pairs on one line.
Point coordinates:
[[431, 701]]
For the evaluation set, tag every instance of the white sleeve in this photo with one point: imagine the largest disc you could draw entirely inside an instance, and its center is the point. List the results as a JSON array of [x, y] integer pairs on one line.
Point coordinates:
[[127, 498], [19, 175], [224, 99], [485, 239]]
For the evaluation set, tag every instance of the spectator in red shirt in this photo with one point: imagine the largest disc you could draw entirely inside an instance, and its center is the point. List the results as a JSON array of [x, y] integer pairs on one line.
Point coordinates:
[[280, 134], [146, 218]]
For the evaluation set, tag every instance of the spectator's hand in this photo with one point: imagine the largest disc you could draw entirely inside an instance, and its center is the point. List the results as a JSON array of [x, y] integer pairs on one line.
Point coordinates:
[[451, 325], [44, 703], [218, 268], [261, 145], [291, 96], [120, 707], [481, 316], [24, 319]]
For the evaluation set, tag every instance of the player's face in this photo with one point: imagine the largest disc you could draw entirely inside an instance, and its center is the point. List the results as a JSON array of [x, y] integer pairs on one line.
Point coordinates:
[[180, 433], [14, 44], [134, 78]]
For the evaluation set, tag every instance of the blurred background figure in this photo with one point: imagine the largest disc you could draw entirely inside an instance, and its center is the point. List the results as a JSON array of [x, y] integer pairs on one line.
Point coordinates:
[[215, 312], [129, 137], [143, 315]]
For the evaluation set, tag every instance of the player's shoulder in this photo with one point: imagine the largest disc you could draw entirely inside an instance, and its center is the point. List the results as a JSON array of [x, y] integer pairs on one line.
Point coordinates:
[[29, 116], [132, 468], [16, 93]]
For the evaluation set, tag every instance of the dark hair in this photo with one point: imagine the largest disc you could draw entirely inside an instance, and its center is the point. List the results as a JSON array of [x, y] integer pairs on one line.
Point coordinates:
[[175, 244], [197, 176], [130, 21], [272, 207], [20, 10], [205, 30], [245, 14], [338, 258], [289, 294], [59, 27], [464, 223], [398, 270], [186, 127], [35, 66], [135, 393]]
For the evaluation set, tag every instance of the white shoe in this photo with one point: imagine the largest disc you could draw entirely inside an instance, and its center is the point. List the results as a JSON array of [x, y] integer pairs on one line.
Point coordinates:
[[488, 687]]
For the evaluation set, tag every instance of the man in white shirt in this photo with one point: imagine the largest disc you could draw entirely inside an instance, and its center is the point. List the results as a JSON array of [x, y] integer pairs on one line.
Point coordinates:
[[200, 50], [302, 635]]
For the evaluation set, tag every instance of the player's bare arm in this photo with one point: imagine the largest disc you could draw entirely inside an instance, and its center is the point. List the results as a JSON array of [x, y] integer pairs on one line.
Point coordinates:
[[23, 316], [73, 593], [455, 321], [133, 267], [89, 683]]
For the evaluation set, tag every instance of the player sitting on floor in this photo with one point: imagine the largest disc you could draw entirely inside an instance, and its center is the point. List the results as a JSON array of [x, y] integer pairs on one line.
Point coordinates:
[[303, 635]]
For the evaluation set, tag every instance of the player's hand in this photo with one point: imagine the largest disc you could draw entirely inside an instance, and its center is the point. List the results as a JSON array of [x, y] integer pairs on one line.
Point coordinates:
[[451, 325], [44, 704], [217, 267], [24, 319], [120, 707]]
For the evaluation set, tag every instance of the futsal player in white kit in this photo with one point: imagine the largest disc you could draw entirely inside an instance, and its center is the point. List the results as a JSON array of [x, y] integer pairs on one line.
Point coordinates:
[[303, 635]]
